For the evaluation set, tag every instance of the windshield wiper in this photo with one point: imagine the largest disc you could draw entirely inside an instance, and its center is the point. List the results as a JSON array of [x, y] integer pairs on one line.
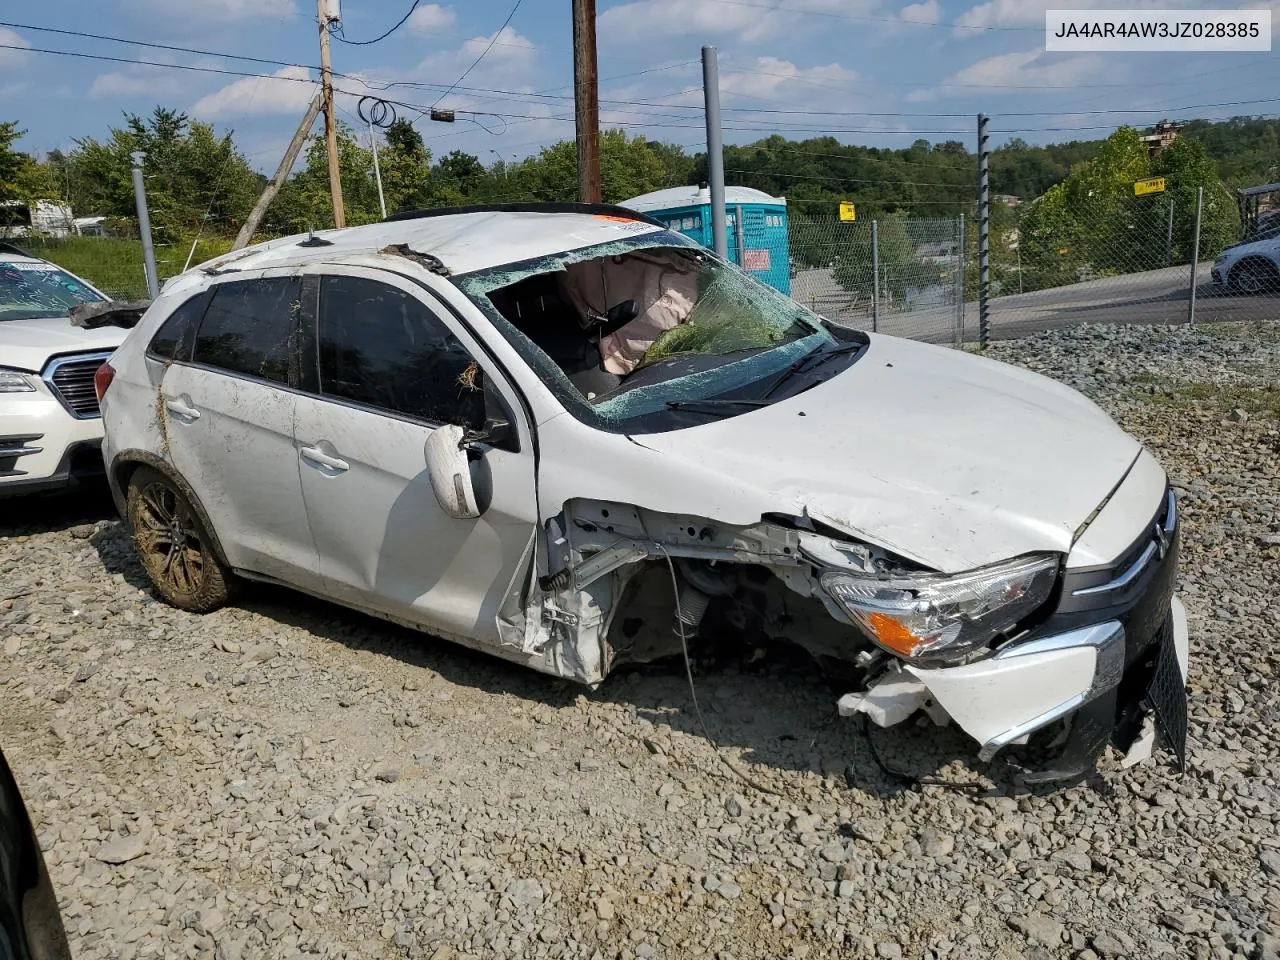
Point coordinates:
[[713, 402], [818, 356]]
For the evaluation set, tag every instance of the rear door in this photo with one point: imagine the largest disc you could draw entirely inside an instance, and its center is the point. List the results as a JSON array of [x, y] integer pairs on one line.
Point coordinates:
[[228, 412], [391, 364]]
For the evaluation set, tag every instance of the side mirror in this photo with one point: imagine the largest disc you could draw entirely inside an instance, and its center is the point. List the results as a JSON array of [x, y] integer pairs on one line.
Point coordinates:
[[449, 470]]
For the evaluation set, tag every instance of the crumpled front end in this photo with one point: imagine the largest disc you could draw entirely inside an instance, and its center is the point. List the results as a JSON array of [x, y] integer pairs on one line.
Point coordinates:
[[1017, 654], [1107, 665]]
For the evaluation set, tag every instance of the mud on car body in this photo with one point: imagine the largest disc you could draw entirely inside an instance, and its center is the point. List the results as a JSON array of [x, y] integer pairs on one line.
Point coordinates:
[[572, 438]]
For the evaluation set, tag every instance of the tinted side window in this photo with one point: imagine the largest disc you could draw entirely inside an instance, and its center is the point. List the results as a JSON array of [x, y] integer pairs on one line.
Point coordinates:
[[250, 328], [382, 347], [173, 341]]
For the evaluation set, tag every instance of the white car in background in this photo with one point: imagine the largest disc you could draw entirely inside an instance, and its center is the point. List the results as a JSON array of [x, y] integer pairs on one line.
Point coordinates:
[[1253, 267], [50, 426], [570, 437]]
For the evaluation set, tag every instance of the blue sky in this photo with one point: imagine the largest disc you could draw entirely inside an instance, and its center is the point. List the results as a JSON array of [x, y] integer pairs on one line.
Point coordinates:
[[877, 72]]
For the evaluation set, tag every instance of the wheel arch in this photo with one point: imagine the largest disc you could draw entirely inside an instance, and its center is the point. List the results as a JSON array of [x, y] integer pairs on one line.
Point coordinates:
[[126, 464]]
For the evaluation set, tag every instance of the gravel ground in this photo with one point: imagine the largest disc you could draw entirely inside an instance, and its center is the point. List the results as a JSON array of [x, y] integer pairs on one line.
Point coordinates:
[[285, 778]]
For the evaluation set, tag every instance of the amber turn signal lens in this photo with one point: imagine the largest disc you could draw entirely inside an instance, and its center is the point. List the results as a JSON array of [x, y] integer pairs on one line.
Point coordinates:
[[893, 634]]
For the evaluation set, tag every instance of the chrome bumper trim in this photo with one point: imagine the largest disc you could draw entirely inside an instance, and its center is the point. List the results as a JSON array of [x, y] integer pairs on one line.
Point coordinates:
[[1108, 641]]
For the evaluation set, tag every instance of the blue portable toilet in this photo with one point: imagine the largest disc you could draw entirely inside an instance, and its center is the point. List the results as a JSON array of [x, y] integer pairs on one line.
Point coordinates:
[[757, 226]]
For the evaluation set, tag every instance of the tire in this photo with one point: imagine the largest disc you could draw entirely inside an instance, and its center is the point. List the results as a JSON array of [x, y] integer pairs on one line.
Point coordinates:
[[1255, 277], [173, 545]]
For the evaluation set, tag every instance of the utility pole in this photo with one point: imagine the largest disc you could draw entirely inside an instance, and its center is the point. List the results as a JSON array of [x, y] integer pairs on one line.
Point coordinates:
[[715, 151], [144, 228], [282, 173], [326, 14], [984, 235], [377, 171], [586, 96]]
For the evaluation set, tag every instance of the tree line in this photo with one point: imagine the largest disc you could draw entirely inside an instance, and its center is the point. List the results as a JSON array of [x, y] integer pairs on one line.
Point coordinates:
[[1077, 209]]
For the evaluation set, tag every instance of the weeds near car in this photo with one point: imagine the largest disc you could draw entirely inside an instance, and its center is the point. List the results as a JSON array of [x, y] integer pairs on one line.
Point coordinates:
[[114, 265]]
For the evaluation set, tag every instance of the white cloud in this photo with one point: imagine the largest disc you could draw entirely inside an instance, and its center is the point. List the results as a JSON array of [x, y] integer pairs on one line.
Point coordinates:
[[283, 92], [156, 82], [928, 12], [638, 20], [225, 10], [1009, 72], [773, 79], [509, 61], [12, 58], [431, 17], [1030, 13]]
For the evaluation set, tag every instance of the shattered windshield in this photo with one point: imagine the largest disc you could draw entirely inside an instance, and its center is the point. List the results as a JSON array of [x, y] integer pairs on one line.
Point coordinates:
[[32, 289], [642, 325]]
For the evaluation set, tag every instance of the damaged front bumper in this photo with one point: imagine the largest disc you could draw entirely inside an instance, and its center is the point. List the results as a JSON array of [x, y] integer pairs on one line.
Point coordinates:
[[1025, 688], [1111, 661]]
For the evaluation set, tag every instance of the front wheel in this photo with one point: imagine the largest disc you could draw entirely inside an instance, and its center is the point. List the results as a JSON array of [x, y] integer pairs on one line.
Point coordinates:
[[1256, 276], [175, 549]]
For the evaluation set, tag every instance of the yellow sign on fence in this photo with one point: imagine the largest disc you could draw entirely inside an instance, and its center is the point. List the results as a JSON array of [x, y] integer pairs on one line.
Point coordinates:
[[1150, 185], [847, 212]]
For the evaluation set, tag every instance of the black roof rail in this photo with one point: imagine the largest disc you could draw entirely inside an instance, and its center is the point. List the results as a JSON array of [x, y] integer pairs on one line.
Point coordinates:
[[7, 247], [597, 209]]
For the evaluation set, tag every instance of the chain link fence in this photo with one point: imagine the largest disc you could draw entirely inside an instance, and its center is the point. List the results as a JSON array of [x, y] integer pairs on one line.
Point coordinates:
[[1132, 259], [1129, 259], [891, 275]]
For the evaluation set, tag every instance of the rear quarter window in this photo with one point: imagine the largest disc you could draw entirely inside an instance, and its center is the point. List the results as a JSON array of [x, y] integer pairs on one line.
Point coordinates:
[[173, 341]]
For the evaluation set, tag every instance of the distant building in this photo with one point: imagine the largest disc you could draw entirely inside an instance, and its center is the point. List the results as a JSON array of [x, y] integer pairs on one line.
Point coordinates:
[[45, 217], [1164, 133], [1008, 199]]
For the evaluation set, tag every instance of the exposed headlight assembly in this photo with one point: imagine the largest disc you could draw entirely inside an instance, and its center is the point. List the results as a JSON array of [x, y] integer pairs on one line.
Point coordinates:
[[11, 381], [925, 617]]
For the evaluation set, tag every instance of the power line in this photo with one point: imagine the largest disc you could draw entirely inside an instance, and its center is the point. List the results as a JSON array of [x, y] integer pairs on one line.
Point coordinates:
[[483, 53], [364, 43], [742, 125]]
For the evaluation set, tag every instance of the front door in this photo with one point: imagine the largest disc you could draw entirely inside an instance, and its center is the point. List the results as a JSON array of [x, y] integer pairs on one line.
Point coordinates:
[[392, 365], [228, 420]]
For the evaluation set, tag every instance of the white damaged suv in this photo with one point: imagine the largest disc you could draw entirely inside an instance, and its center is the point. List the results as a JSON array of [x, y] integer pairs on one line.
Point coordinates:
[[572, 438], [50, 430]]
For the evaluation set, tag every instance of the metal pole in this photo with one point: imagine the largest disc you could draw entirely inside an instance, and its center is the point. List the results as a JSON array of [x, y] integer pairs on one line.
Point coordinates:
[[1195, 255], [1019, 251], [144, 228], [377, 172], [330, 121], [1168, 237], [282, 173], [960, 286], [715, 149], [740, 243], [586, 97], [875, 276], [984, 235]]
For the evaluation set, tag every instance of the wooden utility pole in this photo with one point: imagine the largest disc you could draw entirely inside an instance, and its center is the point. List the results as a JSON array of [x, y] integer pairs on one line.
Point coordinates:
[[282, 172], [586, 97], [330, 121]]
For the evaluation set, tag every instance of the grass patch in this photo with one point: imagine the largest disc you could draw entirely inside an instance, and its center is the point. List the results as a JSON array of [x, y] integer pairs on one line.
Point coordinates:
[[1255, 331], [1255, 401], [115, 266]]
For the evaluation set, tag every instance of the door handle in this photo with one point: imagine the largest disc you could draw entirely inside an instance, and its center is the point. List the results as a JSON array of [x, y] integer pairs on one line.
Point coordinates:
[[316, 455], [182, 410]]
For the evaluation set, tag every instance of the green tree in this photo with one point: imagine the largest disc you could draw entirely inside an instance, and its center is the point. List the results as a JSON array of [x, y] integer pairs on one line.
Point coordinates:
[[900, 268], [195, 179], [406, 168]]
